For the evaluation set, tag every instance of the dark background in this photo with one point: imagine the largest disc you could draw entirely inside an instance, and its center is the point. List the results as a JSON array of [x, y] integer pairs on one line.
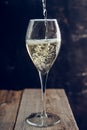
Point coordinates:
[[70, 69]]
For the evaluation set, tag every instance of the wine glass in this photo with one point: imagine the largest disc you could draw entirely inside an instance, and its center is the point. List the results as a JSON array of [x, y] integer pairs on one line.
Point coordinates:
[[43, 40]]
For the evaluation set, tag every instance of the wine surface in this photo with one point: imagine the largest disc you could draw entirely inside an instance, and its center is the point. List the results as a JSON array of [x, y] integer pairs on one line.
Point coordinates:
[[43, 52]]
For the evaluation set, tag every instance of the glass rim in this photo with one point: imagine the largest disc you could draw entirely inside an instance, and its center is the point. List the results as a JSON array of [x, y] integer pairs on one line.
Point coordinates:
[[43, 19]]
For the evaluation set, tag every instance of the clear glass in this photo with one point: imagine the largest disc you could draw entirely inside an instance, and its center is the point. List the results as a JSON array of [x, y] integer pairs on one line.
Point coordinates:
[[43, 40]]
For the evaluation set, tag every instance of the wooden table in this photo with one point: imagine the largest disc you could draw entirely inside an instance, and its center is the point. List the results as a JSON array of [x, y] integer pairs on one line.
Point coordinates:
[[15, 106]]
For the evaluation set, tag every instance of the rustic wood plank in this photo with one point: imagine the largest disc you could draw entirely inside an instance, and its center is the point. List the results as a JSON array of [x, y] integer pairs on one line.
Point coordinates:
[[56, 102], [9, 104]]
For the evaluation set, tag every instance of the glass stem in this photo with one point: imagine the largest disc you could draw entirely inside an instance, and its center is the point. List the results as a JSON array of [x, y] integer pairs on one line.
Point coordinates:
[[43, 81]]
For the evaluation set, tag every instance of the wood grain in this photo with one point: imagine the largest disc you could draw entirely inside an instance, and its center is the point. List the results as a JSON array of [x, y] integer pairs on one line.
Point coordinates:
[[9, 103], [56, 102]]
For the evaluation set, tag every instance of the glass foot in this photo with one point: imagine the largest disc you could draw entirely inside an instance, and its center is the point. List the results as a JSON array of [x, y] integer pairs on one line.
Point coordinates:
[[37, 120]]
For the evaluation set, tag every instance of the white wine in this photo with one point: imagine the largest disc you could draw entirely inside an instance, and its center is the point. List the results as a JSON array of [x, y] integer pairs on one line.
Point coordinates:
[[43, 52]]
